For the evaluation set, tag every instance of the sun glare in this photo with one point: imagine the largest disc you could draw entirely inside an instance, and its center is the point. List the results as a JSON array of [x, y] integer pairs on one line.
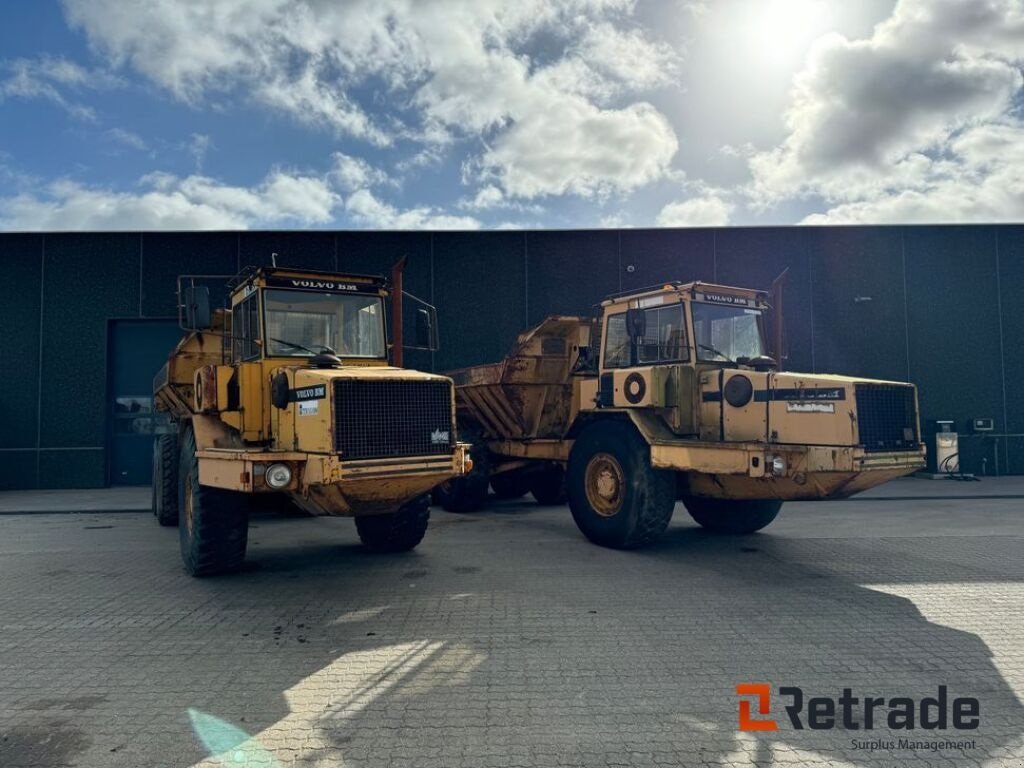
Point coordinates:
[[782, 30]]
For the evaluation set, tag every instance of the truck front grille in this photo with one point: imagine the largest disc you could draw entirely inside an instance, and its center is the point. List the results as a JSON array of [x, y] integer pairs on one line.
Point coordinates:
[[887, 417], [377, 419]]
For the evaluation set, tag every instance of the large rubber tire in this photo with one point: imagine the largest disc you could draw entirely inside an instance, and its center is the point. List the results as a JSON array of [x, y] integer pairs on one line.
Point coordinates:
[[511, 485], [398, 532], [467, 493], [732, 515], [617, 498], [548, 485], [213, 523], [165, 479]]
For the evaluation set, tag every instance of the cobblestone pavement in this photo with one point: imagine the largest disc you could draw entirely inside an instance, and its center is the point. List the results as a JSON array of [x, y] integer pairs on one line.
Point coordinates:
[[507, 640]]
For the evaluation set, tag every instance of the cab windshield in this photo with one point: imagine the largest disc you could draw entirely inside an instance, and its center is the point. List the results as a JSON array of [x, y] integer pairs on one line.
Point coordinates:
[[725, 334], [301, 323]]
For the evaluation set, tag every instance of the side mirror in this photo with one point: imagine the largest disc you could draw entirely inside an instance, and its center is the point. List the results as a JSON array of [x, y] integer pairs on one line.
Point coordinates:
[[636, 323], [425, 329], [197, 307]]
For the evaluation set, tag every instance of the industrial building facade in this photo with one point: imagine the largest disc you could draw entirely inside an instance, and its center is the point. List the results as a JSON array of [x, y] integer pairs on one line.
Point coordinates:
[[88, 318]]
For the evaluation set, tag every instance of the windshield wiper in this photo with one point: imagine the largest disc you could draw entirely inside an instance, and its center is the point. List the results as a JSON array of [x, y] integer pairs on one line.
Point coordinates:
[[293, 345], [717, 352]]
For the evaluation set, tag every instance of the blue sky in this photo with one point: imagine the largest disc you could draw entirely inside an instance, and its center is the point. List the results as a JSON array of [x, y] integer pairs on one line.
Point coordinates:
[[222, 114]]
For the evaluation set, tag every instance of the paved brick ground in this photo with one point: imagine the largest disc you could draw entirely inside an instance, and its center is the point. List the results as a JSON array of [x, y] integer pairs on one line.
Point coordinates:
[[505, 640]]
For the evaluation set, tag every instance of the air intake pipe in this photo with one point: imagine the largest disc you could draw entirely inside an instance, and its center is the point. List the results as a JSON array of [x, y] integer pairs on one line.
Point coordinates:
[[396, 313]]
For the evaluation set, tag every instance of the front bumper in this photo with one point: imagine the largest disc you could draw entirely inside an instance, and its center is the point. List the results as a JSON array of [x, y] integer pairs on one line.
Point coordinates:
[[744, 470], [328, 485]]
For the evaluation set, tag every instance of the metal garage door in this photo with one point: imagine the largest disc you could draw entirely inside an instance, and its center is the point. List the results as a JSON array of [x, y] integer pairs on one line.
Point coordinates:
[[136, 350]]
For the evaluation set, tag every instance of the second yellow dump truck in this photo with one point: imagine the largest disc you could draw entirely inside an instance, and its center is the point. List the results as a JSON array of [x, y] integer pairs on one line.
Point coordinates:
[[669, 394]]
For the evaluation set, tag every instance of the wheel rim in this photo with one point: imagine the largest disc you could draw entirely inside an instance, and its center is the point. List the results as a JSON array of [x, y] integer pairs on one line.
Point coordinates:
[[188, 503], [605, 484]]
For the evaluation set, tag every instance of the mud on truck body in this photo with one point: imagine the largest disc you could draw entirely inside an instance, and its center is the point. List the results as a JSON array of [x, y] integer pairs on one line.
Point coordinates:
[[288, 392], [668, 394]]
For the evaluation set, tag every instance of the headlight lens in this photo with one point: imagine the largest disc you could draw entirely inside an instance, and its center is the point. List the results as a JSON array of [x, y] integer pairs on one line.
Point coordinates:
[[777, 465], [278, 475]]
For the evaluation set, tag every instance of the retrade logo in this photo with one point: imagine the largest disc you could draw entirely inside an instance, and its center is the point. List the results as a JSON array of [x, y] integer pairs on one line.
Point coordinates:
[[763, 693], [850, 712]]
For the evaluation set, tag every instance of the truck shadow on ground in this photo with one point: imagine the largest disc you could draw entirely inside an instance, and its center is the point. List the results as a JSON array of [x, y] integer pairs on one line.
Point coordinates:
[[621, 656]]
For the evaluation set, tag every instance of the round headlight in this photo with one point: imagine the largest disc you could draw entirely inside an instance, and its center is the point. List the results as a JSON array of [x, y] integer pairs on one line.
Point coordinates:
[[738, 391], [777, 465], [278, 475]]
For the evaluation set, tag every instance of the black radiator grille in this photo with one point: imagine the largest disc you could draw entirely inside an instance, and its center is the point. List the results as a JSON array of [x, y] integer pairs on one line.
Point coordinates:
[[887, 417], [377, 419]]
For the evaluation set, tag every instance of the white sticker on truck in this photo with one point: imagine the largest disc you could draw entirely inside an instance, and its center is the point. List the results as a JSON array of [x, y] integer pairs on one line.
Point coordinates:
[[811, 407], [309, 407]]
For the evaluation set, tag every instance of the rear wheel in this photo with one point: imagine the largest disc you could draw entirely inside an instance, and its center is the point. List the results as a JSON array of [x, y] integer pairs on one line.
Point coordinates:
[[397, 532], [548, 485], [732, 515], [213, 523], [165, 479], [617, 498], [510, 485]]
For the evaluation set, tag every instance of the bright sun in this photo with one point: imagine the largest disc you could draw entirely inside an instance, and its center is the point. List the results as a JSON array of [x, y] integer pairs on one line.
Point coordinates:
[[782, 30]]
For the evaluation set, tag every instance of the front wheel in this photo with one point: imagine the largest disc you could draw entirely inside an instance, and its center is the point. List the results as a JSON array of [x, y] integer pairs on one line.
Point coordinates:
[[397, 532], [617, 498], [732, 515], [213, 523]]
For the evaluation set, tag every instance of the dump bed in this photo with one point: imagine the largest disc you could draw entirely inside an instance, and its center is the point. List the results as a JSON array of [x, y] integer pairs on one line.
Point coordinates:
[[528, 395]]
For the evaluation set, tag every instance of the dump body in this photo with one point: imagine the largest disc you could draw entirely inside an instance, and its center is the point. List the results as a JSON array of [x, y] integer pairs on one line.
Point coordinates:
[[528, 395], [728, 430]]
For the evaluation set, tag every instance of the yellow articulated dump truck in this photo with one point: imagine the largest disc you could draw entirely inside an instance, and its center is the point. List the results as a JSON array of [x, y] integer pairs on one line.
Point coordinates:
[[288, 391], [669, 394]]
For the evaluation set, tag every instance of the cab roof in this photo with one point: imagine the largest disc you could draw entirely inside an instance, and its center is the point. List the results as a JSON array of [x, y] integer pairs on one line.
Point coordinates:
[[251, 273], [690, 288]]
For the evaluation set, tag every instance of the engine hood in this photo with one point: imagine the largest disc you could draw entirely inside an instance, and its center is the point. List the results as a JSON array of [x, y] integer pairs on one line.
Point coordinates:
[[808, 409]]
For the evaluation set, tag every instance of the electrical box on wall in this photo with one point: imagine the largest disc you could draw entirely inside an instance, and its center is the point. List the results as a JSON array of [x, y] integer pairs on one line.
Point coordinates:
[[983, 425]]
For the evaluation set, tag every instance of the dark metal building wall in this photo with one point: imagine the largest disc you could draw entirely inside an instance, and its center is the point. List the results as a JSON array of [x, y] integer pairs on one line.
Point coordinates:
[[932, 303]]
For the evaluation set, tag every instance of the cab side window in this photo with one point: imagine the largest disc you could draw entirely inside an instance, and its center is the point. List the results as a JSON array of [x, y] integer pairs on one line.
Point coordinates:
[[616, 342], [664, 338], [245, 329]]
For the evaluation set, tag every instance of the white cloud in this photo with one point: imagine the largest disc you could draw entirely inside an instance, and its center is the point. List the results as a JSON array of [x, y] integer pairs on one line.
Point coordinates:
[[460, 69], [199, 146], [352, 173], [629, 56], [486, 197], [367, 211], [167, 202], [50, 78], [981, 179], [571, 146], [708, 210], [876, 127], [127, 138]]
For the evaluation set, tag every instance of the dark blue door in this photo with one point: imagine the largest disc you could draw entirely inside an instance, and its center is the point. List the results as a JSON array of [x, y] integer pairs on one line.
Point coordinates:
[[136, 351]]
